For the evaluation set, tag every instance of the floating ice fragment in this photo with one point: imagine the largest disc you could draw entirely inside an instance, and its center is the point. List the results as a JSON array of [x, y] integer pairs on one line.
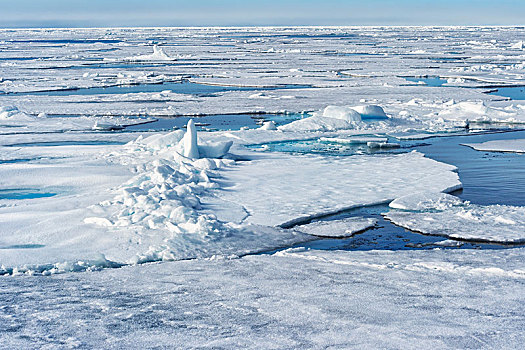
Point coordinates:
[[354, 139], [445, 215], [337, 228], [106, 126]]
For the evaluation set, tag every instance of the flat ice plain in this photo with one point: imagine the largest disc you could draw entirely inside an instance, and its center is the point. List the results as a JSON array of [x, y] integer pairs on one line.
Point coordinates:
[[118, 231]]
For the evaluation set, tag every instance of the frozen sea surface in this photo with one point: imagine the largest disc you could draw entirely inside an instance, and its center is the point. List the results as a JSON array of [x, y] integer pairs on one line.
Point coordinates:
[[263, 223]]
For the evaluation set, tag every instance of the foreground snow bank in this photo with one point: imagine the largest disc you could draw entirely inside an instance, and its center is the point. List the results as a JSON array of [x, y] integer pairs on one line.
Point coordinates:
[[445, 215], [292, 299]]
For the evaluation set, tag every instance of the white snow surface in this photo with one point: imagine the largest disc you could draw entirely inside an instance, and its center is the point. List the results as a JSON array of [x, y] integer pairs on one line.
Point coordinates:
[[278, 189], [445, 215], [445, 299]]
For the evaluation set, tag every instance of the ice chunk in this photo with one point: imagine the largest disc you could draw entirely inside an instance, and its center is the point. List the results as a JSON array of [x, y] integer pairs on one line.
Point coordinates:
[[189, 142], [520, 45], [269, 125], [337, 228], [106, 126], [157, 55], [215, 149], [12, 113]]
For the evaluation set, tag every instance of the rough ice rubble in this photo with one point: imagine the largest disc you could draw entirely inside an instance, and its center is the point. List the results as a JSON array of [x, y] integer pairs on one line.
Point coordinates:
[[157, 55], [515, 146], [445, 215], [152, 213], [475, 111]]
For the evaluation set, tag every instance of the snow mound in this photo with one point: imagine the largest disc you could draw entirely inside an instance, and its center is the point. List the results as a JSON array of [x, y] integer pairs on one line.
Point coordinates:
[[341, 112], [269, 125], [370, 112], [337, 228], [336, 118], [445, 215]]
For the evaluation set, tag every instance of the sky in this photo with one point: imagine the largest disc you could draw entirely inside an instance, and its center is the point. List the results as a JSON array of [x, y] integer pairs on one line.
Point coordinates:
[[129, 13]]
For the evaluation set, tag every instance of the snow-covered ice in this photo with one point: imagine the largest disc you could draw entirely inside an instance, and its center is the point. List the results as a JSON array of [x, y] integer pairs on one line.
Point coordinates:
[[445, 215], [515, 146], [79, 191], [337, 228]]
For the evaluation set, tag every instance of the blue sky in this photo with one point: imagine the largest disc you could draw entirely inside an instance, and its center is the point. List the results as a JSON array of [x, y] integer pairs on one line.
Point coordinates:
[[49, 13]]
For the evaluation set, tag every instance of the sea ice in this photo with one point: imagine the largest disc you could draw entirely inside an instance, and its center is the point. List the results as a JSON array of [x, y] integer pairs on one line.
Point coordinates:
[[280, 189], [515, 146], [157, 55], [445, 215], [337, 228]]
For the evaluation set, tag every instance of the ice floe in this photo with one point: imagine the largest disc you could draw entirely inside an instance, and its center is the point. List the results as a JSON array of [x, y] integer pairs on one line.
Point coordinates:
[[446, 215], [337, 228], [514, 146]]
